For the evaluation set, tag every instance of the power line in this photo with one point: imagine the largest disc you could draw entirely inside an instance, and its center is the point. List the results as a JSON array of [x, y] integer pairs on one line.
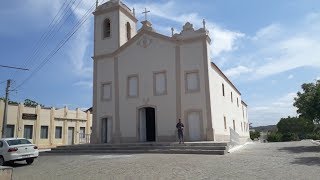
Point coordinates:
[[43, 37], [60, 45], [12, 67]]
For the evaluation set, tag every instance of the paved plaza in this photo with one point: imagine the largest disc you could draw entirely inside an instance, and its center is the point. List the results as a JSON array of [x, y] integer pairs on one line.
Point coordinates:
[[289, 160]]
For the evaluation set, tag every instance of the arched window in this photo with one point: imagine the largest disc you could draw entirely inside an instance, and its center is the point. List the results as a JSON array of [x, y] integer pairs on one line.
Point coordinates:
[[128, 30], [106, 28]]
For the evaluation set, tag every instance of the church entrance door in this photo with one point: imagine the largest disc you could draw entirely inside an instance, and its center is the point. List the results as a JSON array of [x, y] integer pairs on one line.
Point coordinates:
[[106, 131], [194, 126], [147, 125]]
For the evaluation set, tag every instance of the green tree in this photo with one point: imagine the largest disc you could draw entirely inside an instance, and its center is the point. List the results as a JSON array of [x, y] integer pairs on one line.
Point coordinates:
[[308, 101], [31, 103], [293, 127]]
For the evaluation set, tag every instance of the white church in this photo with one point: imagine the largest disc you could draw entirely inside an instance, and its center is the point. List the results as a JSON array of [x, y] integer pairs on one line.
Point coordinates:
[[144, 82]]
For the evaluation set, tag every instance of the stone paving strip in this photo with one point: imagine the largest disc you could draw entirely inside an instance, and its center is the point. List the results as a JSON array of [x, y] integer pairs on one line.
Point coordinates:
[[288, 160]]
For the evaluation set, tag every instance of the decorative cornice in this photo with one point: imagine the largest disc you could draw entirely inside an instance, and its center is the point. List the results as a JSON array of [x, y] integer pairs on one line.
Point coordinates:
[[155, 35], [144, 42], [114, 8]]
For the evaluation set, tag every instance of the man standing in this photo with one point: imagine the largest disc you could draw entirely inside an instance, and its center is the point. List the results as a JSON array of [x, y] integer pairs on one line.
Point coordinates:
[[180, 127]]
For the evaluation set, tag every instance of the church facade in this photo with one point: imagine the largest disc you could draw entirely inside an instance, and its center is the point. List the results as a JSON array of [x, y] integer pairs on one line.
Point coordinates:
[[144, 82]]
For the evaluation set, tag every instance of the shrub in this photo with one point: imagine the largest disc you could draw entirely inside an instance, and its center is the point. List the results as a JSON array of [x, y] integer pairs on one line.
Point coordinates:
[[314, 136], [254, 135], [274, 137], [290, 137]]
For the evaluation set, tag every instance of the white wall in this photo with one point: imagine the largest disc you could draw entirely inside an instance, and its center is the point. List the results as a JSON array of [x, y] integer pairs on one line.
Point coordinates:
[[105, 108], [123, 28], [106, 45], [192, 59], [158, 56], [222, 106]]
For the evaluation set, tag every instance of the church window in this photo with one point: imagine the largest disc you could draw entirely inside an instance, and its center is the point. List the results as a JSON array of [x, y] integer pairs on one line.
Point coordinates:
[[222, 89], [106, 28], [106, 91], [159, 83], [234, 125], [128, 31], [231, 97], [237, 102], [241, 127], [192, 81], [133, 86], [242, 112], [225, 122]]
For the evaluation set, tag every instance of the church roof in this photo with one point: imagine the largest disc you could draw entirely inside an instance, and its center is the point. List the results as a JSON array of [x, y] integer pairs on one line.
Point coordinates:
[[214, 66], [244, 103]]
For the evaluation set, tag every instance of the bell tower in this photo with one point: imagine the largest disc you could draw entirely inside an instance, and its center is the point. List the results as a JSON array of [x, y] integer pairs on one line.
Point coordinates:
[[114, 25]]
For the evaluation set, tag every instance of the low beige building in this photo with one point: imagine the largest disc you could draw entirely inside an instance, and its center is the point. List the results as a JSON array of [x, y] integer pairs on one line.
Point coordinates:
[[47, 127]]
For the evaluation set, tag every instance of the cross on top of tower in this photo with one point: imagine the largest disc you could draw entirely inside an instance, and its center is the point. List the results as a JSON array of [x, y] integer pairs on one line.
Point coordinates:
[[145, 13]]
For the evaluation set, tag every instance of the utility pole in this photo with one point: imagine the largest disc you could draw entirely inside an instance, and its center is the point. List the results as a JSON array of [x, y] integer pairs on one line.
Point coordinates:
[[5, 115]]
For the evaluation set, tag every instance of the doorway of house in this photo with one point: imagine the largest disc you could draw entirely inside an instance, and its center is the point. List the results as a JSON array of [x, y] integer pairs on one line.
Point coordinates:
[[106, 131], [70, 135], [147, 124]]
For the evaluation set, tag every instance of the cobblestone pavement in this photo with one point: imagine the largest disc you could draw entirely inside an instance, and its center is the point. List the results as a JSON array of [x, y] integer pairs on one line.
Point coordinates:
[[290, 160]]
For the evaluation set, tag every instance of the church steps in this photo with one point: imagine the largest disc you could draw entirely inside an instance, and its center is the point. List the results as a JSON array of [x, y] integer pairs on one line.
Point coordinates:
[[158, 147], [144, 147], [131, 151], [149, 144]]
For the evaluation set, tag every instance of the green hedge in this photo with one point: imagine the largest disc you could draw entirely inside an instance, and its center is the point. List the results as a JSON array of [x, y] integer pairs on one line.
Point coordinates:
[[279, 137], [274, 137]]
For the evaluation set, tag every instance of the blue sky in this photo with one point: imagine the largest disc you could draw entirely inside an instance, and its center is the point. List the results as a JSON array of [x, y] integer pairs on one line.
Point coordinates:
[[267, 48]]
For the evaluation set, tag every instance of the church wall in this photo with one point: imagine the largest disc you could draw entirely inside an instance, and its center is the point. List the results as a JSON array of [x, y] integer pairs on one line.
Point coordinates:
[[106, 45], [123, 30], [159, 55], [105, 108], [223, 107], [192, 59]]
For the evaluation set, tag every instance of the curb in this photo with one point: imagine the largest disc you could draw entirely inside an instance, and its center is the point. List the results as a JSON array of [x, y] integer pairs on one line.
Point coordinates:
[[237, 148], [315, 142]]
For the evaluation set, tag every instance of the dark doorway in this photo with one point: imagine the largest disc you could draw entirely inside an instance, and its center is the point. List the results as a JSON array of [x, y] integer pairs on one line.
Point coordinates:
[[150, 124]]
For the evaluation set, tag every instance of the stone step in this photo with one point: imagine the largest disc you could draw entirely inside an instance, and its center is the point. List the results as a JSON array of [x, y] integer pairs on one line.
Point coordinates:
[[146, 144], [163, 151], [77, 148]]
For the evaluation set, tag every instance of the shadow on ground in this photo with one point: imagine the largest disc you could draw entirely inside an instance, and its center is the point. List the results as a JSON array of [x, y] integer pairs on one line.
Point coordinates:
[[309, 161], [16, 165], [301, 149]]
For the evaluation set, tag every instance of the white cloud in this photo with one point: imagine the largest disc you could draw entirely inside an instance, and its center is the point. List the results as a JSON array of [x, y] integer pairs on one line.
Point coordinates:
[[86, 84], [224, 40], [268, 32], [290, 76], [236, 71], [272, 111], [318, 78], [277, 48]]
